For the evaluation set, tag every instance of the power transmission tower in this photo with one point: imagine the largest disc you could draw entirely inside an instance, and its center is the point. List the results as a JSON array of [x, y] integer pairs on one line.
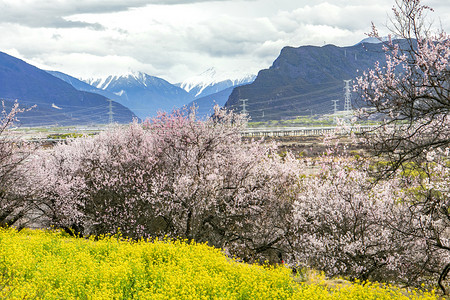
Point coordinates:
[[348, 100], [335, 110], [244, 106], [110, 112]]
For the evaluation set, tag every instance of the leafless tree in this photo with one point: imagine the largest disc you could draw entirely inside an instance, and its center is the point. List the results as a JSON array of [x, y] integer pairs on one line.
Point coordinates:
[[411, 92], [14, 204]]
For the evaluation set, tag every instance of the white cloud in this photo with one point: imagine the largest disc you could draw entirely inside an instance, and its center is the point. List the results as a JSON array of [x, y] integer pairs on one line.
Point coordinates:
[[177, 39], [349, 17]]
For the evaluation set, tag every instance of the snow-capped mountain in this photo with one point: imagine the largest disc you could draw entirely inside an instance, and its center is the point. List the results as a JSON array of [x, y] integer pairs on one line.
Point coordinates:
[[83, 86], [145, 95], [211, 82], [132, 78]]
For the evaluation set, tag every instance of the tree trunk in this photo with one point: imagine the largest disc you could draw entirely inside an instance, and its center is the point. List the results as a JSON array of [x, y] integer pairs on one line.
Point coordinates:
[[442, 277]]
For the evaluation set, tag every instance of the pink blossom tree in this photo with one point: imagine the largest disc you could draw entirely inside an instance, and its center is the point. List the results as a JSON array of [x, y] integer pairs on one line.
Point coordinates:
[[347, 226], [412, 94], [176, 176]]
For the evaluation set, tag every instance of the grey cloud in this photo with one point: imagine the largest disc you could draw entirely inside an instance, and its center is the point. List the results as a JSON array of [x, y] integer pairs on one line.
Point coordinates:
[[228, 36], [51, 14], [61, 23], [41, 16]]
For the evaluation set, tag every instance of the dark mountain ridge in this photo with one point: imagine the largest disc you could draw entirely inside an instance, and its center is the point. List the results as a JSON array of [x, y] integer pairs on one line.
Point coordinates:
[[304, 81]]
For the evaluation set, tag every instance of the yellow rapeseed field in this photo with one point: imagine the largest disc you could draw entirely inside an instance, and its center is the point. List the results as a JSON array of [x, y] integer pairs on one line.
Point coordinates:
[[36, 264]]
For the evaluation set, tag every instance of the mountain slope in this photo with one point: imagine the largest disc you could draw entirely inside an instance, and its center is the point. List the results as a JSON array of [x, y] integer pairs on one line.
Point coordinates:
[[304, 80], [205, 105], [57, 102], [145, 95], [83, 86]]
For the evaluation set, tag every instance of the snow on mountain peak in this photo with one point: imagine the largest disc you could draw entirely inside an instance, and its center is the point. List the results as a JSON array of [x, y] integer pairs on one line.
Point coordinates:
[[209, 81], [211, 77], [104, 82]]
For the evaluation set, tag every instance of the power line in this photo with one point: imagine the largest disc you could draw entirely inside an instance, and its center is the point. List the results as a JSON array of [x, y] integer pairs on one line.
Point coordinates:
[[316, 92], [283, 104], [272, 102]]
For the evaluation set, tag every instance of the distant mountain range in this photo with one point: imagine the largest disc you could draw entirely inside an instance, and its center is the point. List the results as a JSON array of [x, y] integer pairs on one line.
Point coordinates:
[[211, 82], [304, 81], [145, 95], [57, 102], [301, 81]]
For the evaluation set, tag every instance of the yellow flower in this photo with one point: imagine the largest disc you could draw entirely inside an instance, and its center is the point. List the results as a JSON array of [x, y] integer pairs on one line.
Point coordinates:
[[37, 264]]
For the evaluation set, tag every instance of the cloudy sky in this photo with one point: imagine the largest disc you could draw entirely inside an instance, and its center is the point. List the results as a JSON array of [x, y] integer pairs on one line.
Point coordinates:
[[177, 39]]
